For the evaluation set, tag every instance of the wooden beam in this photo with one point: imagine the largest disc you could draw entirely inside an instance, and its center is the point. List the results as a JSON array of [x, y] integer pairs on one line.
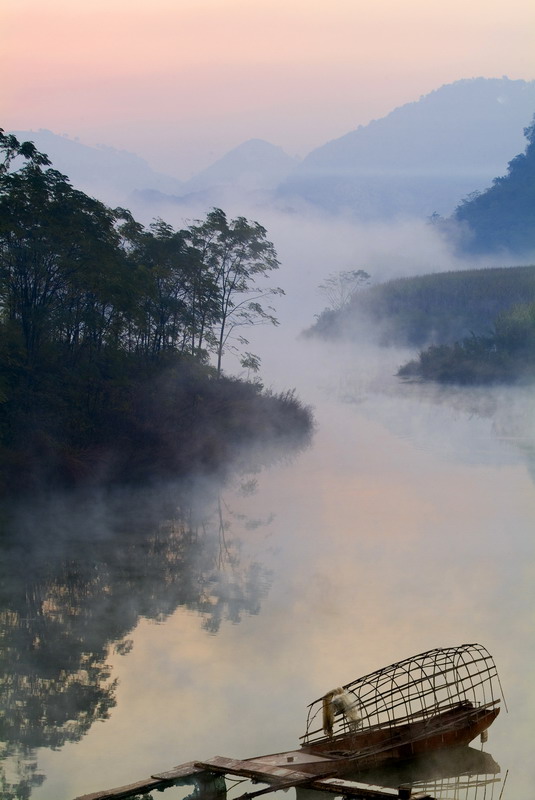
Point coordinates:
[[156, 782]]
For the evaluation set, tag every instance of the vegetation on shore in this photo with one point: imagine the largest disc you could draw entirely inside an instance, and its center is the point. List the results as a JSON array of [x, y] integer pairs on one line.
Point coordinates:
[[475, 326], [108, 330], [437, 308], [506, 355]]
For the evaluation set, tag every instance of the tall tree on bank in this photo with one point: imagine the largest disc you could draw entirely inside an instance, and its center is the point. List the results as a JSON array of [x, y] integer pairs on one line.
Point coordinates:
[[340, 287], [179, 298], [238, 256], [59, 259], [79, 276]]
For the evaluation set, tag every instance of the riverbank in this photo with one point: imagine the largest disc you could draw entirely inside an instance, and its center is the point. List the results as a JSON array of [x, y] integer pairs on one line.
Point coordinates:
[[146, 422]]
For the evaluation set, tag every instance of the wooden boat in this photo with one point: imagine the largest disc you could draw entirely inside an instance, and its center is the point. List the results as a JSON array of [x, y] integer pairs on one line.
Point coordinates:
[[442, 698]]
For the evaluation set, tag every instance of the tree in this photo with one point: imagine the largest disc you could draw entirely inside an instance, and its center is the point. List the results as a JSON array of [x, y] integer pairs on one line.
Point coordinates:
[[59, 257], [503, 216], [11, 149], [237, 255], [341, 286]]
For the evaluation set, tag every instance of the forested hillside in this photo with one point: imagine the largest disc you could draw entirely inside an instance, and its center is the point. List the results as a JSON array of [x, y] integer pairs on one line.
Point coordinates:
[[502, 218], [437, 308], [108, 330]]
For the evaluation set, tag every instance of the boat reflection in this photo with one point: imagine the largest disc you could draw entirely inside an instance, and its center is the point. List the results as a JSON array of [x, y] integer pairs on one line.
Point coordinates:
[[460, 773]]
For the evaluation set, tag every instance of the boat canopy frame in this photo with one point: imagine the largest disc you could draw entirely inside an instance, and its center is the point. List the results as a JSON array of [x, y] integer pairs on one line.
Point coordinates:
[[414, 689]]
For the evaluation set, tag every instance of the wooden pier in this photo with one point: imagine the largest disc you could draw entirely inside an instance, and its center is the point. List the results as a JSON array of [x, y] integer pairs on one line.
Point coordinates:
[[204, 775]]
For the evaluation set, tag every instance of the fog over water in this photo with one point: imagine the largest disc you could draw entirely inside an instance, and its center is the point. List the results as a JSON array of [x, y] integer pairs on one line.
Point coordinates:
[[406, 525]]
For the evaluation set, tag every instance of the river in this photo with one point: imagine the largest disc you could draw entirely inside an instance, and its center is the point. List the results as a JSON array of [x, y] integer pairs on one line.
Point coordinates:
[[207, 628]]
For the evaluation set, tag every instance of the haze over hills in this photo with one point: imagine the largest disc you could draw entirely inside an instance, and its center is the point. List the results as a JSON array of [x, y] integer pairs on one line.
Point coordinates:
[[252, 166], [109, 174], [251, 171], [423, 157]]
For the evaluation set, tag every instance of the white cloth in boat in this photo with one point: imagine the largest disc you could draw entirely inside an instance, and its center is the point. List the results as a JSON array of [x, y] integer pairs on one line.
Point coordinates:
[[346, 704]]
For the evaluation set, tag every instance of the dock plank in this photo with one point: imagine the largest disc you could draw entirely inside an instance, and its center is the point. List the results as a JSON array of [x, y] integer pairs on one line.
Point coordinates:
[[182, 771], [139, 787], [245, 769], [360, 791], [156, 782]]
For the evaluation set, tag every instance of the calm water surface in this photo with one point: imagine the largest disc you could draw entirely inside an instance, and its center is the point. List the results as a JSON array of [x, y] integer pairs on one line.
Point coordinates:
[[161, 630]]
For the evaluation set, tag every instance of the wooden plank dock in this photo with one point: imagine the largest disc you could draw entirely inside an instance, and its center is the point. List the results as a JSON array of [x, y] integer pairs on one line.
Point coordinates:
[[277, 777]]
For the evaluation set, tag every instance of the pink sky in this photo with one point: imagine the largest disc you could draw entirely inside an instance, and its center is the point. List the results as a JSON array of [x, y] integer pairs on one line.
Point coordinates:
[[180, 82]]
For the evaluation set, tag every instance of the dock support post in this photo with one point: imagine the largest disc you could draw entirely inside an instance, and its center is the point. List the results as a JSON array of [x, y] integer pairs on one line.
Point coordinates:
[[209, 786]]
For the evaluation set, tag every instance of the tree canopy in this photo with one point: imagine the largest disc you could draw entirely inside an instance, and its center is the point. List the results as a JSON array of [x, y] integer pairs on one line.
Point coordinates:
[[76, 273], [503, 216]]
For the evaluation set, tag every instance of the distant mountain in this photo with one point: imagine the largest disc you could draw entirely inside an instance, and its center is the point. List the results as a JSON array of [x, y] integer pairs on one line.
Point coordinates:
[[503, 216], [106, 173], [248, 174], [422, 157], [252, 166]]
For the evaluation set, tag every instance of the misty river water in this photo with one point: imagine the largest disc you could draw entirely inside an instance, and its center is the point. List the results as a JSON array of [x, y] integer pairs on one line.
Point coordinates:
[[149, 631]]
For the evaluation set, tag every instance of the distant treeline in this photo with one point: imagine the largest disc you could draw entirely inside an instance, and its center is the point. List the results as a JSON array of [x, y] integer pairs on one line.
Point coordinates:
[[107, 331], [429, 309]]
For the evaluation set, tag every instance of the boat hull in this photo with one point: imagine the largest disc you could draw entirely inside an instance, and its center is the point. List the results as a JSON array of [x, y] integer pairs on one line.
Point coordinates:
[[452, 728]]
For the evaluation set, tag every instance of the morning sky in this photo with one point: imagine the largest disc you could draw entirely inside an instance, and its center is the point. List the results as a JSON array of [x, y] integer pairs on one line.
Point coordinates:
[[180, 82]]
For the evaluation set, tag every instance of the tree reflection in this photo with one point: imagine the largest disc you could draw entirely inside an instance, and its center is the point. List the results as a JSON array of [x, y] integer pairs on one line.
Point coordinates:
[[21, 775], [63, 608]]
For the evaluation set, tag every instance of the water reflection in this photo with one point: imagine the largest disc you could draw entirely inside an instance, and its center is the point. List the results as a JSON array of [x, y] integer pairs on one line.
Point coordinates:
[[462, 773], [428, 414], [408, 525], [67, 602]]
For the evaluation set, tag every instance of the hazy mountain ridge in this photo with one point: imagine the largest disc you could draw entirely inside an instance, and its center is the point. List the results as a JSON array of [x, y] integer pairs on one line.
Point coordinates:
[[105, 172], [423, 156], [253, 165], [249, 172]]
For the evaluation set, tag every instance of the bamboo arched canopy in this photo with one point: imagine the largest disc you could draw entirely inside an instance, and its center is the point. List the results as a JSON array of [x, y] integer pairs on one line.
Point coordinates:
[[416, 689]]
